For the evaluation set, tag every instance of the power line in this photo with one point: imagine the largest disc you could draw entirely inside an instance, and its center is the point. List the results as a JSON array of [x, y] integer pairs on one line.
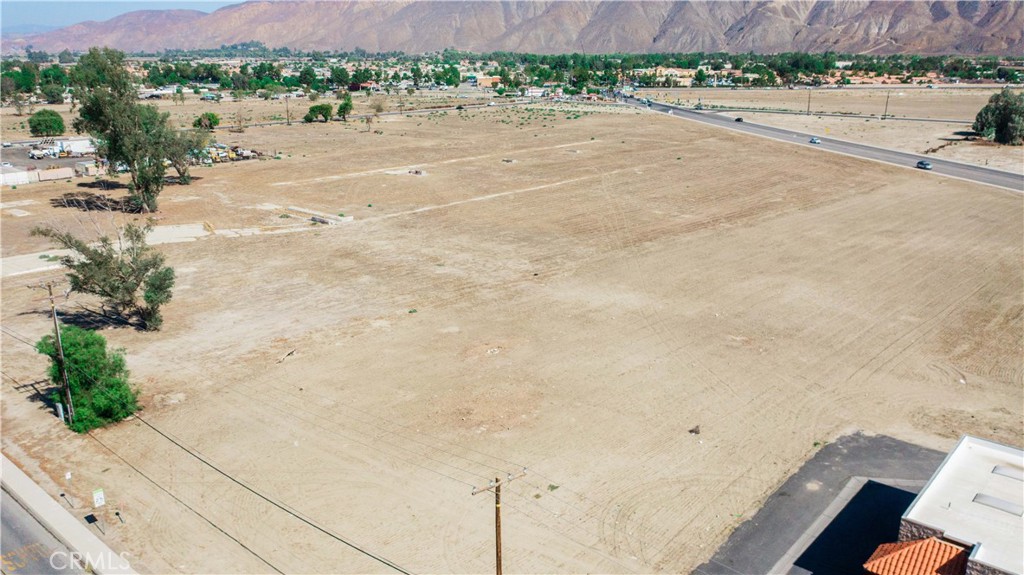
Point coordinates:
[[280, 506], [287, 509], [584, 514], [318, 418], [187, 506], [16, 336]]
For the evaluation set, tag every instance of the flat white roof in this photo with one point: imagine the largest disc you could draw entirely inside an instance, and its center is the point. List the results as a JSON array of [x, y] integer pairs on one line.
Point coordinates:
[[976, 497]]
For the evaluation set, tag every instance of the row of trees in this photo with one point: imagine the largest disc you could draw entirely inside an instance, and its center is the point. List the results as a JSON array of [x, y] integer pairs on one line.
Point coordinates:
[[516, 68]]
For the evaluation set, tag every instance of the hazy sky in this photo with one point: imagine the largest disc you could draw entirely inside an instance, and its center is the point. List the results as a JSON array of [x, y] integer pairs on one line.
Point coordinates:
[[57, 13]]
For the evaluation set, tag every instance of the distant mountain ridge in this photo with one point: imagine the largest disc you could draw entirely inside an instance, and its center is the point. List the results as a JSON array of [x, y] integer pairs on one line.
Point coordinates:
[[565, 26]]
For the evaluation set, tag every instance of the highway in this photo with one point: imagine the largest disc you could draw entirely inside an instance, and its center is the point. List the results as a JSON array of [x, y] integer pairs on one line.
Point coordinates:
[[979, 174]]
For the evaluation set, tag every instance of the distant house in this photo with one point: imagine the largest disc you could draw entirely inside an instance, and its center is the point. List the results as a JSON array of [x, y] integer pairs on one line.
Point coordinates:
[[971, 513], [488, 81], [534, 92]]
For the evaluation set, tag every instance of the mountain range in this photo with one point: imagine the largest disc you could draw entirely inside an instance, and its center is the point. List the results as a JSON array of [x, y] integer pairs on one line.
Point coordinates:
[[565, 26]]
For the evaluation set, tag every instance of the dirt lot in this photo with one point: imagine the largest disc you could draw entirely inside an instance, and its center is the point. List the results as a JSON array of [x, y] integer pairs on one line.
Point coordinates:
[[562, 289], [256, 110], [943, 139]]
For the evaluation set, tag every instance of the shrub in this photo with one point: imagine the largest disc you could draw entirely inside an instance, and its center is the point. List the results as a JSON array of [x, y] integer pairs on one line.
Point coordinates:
[[206, 121], [1002, 119], [46, 123], [98, 378]]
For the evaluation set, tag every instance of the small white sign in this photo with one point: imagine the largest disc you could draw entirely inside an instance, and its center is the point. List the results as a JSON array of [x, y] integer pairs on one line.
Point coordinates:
[[98, 499], [67, 476]]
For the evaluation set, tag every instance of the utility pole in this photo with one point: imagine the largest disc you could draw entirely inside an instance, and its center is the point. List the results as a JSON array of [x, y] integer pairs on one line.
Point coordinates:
[[808, 102], [60, 352], [495, 486], [886, 112]]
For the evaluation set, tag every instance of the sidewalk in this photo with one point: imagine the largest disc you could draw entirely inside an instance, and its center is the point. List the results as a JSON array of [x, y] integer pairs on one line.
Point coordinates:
[[65, 527]]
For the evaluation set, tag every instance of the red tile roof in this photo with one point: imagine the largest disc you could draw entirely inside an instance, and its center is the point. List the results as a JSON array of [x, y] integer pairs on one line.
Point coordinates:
[[922, 557]]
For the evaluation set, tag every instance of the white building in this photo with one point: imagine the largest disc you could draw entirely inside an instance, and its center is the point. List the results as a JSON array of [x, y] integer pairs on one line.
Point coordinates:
[[976, 499]]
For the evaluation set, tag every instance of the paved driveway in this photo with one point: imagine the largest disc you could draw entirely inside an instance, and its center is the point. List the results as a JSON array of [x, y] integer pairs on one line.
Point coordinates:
[[783, 536]]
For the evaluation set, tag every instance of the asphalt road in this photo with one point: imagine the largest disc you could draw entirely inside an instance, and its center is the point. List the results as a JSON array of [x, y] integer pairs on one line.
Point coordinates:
[[757, 545], [26, 546], [1014, 182]]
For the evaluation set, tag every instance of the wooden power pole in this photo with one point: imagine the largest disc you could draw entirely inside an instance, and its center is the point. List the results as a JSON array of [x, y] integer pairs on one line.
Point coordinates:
[[60, 353], [495, 486]]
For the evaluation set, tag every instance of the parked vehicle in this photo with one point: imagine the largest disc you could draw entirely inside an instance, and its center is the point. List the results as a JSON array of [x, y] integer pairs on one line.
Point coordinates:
[[924, 165]]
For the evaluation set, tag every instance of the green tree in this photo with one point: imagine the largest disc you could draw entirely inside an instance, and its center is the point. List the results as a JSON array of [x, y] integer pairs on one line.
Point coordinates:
[[53, 75], [206, 121], [307, 76], [126, 132], [183, 148], [1002, 119], [340, 77], [324, 111], [98, 377], [345, 107], [26, 77], [700, 77], [129, 275], [53, 93], [37, 56], [46, 123], [65, 57]]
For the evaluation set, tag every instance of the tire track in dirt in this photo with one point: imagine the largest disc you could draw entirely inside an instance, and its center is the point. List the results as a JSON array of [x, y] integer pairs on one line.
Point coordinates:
[[407, 167]]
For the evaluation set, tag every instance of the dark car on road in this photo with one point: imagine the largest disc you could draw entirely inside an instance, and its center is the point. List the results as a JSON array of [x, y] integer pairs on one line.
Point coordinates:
[[738, 120], [924, 165]]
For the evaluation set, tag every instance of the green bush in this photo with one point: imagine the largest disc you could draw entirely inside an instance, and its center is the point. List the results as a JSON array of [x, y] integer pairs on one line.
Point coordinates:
[[324, 111], [206, 121], [98, 378], [46, 123], [1002, 119]]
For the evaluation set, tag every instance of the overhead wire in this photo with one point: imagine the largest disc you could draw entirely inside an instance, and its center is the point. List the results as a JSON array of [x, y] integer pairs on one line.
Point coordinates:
[[543, 508], [187, 506], [283, 507]]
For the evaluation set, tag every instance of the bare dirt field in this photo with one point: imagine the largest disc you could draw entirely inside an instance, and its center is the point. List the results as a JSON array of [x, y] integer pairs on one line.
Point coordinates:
[[565, 289], [949, 139]]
